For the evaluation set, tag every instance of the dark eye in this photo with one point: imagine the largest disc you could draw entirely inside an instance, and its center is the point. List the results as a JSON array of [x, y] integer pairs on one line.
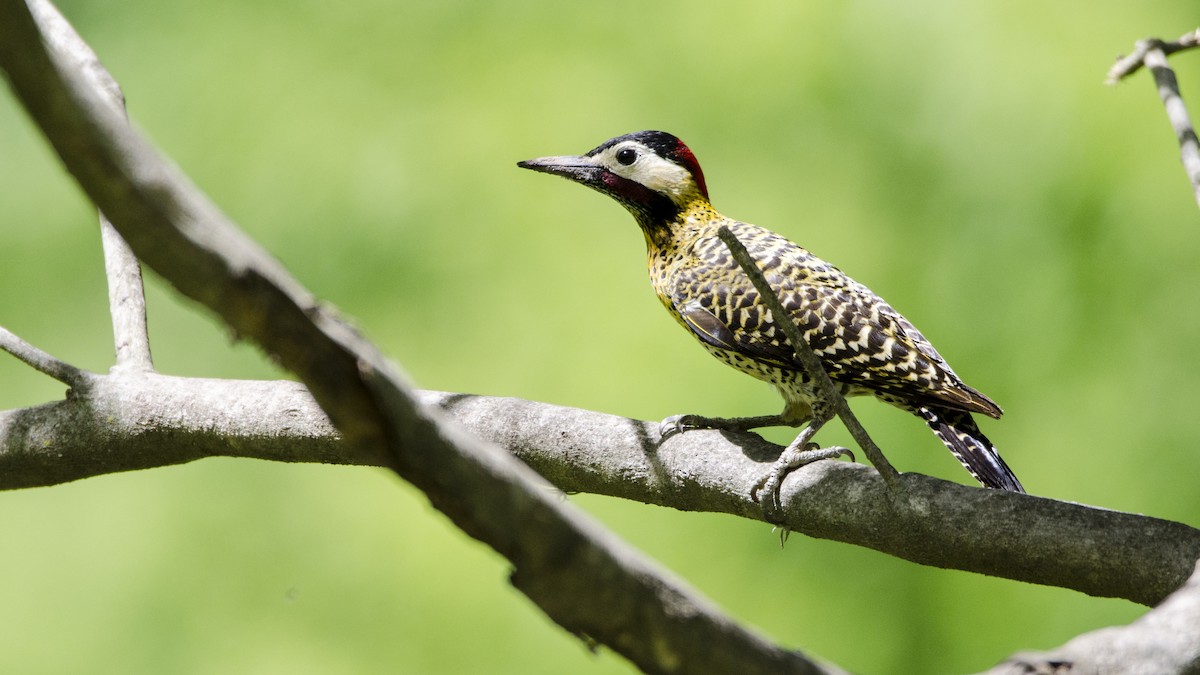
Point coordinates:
[[626, 156]]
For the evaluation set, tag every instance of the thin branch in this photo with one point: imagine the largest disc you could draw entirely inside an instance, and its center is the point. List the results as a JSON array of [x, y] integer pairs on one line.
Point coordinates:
[[126, 301], [136, 422], [1181, 122], [579, 574], [809, 359], [126, 295], [40, 360], [1128, 65], [1153, 53]]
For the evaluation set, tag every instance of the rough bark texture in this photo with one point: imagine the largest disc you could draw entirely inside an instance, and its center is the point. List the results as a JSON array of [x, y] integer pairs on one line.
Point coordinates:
[[1166, 640], [123, 422]]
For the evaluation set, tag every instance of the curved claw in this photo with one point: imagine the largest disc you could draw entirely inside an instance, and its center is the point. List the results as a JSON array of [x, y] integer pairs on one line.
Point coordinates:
[[784, 531], [766, 489], [675, 424], [832, 452], [766, 493]]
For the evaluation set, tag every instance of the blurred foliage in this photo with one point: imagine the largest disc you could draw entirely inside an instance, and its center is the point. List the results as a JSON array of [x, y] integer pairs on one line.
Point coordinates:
[[963, 159]]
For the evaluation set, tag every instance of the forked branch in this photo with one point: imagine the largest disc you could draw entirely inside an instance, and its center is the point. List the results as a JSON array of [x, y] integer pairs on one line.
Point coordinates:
[[1152, 53], [1130, 64]]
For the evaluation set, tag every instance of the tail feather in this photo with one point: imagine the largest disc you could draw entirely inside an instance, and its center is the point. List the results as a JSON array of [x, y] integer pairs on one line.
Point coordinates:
[[958, 431]]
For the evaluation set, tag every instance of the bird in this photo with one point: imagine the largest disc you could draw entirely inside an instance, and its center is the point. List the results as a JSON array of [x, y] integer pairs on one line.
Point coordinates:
[[864, 345]]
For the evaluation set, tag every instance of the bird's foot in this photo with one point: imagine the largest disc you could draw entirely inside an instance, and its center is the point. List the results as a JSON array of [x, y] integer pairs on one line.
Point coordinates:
[[677, 424], [766, 490]]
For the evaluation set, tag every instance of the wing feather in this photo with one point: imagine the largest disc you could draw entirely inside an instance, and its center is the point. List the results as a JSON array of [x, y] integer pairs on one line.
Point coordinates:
[[860, 338]]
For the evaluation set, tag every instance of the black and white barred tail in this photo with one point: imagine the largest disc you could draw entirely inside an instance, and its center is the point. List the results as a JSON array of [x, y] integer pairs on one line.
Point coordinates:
[[959, 432]]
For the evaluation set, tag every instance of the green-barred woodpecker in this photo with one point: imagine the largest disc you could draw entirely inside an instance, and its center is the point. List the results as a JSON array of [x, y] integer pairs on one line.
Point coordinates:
[[865, 345]]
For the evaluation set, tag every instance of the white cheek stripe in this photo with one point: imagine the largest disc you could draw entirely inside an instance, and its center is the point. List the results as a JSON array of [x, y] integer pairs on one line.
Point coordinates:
[[652, 171]]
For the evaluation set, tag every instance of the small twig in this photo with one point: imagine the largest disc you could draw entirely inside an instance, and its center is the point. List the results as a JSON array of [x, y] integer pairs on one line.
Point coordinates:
[[1168, 90], [126, 301], [126, 294], [1128, 65], [1152, 53], [40, 360], [808, 359]]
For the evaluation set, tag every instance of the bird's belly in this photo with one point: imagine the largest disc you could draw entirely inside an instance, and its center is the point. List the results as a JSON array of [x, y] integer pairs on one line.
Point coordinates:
[[794, 385], [757, 369]]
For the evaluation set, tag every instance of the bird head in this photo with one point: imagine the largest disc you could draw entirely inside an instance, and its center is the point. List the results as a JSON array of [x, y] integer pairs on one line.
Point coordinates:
[[651, 173]]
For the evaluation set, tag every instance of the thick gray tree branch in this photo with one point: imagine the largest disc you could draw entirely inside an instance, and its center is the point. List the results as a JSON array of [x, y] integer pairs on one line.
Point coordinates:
[[1152, 53], [119, 423], [1166, 640], [127, 421], [580, 575]]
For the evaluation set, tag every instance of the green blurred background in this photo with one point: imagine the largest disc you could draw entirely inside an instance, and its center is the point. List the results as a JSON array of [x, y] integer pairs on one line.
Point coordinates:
[[963, 159]]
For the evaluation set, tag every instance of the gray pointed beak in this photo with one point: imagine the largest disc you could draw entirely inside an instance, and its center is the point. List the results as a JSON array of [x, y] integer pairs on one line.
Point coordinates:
[[646, 204], [579, 168]]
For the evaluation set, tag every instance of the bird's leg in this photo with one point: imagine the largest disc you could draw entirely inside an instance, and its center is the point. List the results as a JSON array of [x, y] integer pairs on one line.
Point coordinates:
[[676, 424], [797, 454]]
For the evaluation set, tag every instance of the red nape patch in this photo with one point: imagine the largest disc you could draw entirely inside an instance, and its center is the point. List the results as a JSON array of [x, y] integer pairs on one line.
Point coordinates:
[[685, 156]]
